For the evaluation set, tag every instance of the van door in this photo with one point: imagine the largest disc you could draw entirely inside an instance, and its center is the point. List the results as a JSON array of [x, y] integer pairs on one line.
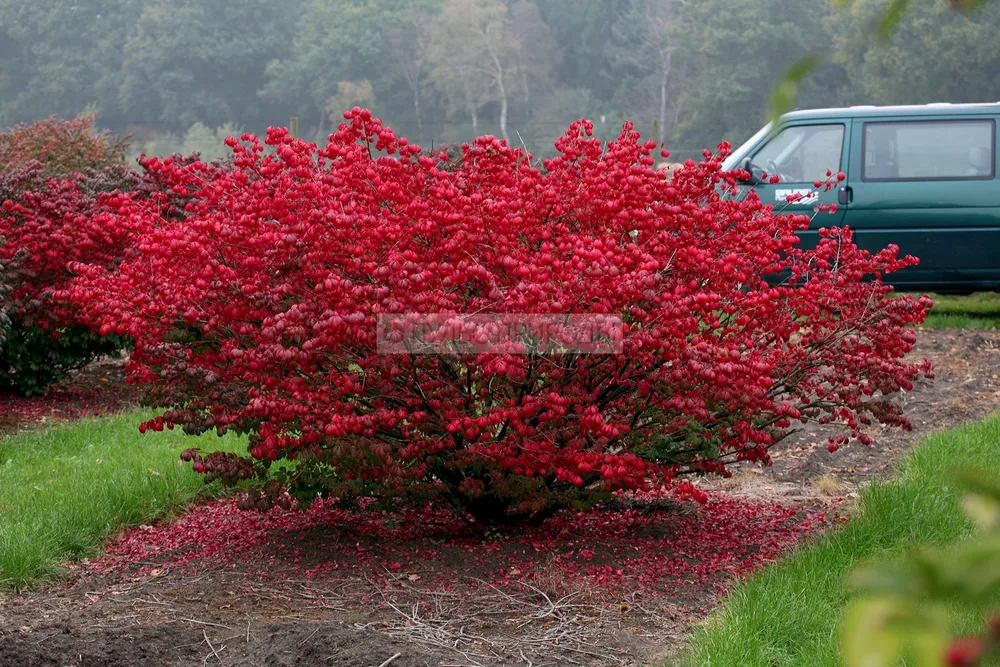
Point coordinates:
[[929, 185], [799, 155]]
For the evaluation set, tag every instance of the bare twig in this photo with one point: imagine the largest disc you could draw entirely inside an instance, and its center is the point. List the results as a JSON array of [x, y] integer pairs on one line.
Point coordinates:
[[546, 630], [386, 663], [214, 652], [309, 637]]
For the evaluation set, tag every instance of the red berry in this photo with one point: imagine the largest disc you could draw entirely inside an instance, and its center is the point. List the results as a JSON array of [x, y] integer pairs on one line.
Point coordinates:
[[964, 652]]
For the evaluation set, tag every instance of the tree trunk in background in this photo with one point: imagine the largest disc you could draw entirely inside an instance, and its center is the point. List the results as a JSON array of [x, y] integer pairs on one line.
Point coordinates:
[[471, 104], [664, 78], [416, 110], [321, 128], [503, 98]]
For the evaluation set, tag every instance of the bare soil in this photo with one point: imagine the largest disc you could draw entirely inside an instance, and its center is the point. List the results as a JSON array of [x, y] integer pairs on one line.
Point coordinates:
[[220, 617], [217, 616], [966, 388]]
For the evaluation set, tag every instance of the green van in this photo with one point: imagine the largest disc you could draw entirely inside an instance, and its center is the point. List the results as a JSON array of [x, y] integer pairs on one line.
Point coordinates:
[[922, 177]]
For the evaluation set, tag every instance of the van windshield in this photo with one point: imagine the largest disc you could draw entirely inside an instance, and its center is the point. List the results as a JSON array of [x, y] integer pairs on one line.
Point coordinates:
[[734, 158]]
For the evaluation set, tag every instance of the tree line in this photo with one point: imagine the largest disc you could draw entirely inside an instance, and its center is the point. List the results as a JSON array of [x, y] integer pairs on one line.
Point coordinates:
[[181, 74]]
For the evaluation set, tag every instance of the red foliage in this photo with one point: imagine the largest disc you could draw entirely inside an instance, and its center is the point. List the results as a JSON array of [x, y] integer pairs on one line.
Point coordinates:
[[678, 552], [64, 222], [61, 147], [259, 312]]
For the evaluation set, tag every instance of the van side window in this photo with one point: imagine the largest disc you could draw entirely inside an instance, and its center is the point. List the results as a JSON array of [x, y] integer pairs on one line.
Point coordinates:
[[929, 150], [802, 153]]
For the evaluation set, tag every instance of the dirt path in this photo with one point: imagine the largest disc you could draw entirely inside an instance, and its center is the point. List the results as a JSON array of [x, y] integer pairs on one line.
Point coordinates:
[[966, 387], [208, 611]]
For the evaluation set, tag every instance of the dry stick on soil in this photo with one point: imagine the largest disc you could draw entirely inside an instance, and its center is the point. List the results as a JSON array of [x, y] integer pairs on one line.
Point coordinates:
[[419, 631], [447, 625], [324, 595], [311, 635], [217, 625], [45, 638], [386, 663], [214, 652]]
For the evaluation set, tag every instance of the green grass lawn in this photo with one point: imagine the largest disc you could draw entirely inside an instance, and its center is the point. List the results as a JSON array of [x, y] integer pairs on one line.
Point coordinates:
[[976, 311], [786, 615], [66, 489]]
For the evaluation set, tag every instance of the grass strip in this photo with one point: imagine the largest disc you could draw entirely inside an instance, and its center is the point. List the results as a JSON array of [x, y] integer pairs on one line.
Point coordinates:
[[67, 488], [975, 311], [787, 613]]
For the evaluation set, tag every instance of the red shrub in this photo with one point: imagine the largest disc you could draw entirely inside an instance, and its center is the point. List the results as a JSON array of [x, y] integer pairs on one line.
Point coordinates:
[[64, 222], [62, 147], [58, 181], [44, 231], [260, 313], [52, 174]]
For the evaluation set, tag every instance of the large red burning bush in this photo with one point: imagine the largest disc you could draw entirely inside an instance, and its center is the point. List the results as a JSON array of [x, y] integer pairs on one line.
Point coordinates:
[[260, 311]]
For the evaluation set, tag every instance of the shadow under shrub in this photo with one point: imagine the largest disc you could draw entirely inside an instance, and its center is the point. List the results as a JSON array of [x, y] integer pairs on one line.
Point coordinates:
[[32, 358]]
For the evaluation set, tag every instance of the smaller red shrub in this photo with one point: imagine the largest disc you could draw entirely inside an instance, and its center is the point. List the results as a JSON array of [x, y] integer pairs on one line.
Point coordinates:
[[62, 147], [44, 232], [64, 222], [58, 180]]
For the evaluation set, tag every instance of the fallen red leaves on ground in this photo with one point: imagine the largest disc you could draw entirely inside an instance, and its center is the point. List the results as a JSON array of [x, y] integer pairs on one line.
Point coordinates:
[[685, 546], [99, 389], [59, 404]]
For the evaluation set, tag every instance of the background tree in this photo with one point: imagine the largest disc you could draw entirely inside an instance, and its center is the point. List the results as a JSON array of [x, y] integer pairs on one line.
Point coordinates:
[[349, 95], [703, 71], [535, 52], [203, 61], [739, 54], [935, 54], [333, 42], [582, 32], [646, 43], [473, 56], [407, 51], [56, 58]]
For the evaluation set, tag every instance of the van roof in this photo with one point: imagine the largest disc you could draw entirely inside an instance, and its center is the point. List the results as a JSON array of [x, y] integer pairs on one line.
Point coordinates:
[[870, 111]]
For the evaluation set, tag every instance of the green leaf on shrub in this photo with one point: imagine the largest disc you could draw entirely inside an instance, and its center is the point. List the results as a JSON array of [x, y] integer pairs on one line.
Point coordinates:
[[983, 510], [975, 568], [880, 631], [890, 19], [870, 638], [784, 93], [889, 579], [982, 498]]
